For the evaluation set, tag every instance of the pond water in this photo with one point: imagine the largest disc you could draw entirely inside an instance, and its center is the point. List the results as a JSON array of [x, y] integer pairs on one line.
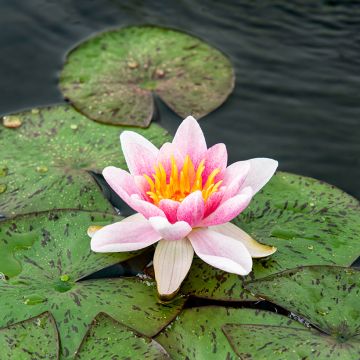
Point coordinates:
[[297, 95]]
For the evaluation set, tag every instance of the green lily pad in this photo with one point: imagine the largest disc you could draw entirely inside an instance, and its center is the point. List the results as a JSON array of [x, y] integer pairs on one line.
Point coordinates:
[[286, 343], [108, 339], [111, 77], [327, 296], [46, 256], [34, 338], [196, 334], [310, 223], [48, 160]]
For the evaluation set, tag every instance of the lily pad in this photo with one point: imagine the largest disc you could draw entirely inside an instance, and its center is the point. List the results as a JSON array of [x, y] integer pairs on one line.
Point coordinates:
[[51, 253], [34, 338], [327, 296], [286, 343], [196, 334], [111, 77], [108, 339], [48, 160], [310, 223]]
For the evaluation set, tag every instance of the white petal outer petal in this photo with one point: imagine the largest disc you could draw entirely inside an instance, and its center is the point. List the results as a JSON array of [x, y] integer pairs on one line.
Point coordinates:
[[139, 152], [170, 231], [220, 251], [172, 261], [255, 249], [190, 140], [261, 171], [126, 235]]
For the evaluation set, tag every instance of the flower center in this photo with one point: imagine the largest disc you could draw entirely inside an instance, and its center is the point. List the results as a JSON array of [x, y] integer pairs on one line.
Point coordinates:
[[180, 184]]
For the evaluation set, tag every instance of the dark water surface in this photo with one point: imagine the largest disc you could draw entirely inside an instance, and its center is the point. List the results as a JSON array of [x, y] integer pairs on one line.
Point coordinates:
[[297, 96]]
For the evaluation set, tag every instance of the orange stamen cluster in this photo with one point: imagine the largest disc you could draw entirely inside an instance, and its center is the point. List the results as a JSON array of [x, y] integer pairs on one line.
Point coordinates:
[[181, 183]]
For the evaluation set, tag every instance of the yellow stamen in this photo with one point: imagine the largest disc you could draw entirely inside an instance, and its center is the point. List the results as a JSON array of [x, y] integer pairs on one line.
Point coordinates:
[[180, 184]]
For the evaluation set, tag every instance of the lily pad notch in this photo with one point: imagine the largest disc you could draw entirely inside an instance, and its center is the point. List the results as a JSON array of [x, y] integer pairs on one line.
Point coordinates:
[[111, 77]]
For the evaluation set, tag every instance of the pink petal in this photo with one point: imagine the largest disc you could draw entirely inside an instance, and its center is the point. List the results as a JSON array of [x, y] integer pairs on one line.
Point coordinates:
[[190, 140], [234, 180], [229, 209], [121, 182], [261, 171], [169, 207], [144, 207], [170, 231], [213, 201], [256, 249], [164, 157], [126, 235], [140, 154], [221, 251], [216, 158], [172, 261], [191, 208]]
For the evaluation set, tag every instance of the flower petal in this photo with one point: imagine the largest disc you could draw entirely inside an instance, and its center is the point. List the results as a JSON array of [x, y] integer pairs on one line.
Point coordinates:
[[169, 207], [261, 171], [170, 231], [221, 251], [144, 207], [190, 140], [166, 151], [121, 182], [172, 261], [255, 249], [229, 209], [126, 235], [191, 209], [213, 201], [140, 154], [216, 158]]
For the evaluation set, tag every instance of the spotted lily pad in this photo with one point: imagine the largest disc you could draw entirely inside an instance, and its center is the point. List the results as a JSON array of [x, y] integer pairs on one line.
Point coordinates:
[[45, 163], [108, 339], [46, 254], [112, 77], [310, 223], [196, 334], [327, 296], [31, 339], [287, 343]]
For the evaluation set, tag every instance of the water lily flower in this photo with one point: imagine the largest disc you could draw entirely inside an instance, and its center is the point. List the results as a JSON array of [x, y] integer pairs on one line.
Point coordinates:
[[184, 195]]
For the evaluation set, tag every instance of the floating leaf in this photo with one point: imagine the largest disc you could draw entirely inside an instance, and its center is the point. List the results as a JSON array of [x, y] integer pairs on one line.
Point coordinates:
[[34, 338], [196, 333], [48, 160], [310, 223], [327, 296], [111, 77], [45, 256], [286, 343], [108, 339]]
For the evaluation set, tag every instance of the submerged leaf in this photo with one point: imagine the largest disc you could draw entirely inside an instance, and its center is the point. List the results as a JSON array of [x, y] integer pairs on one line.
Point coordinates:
[[48, 160], [108, 339], [45, 256], [111, 77], [308, 221]]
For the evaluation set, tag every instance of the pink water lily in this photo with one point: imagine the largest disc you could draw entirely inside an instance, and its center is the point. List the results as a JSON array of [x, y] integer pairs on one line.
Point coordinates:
[[184, 195]]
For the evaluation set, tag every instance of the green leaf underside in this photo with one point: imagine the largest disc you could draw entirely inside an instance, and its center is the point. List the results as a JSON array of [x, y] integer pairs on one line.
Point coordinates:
[[327, 296], [196, 334], [35, 338], [47, 160], [44, 278], [108, 339], [111, 76], [310, 223], [286, 343]]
